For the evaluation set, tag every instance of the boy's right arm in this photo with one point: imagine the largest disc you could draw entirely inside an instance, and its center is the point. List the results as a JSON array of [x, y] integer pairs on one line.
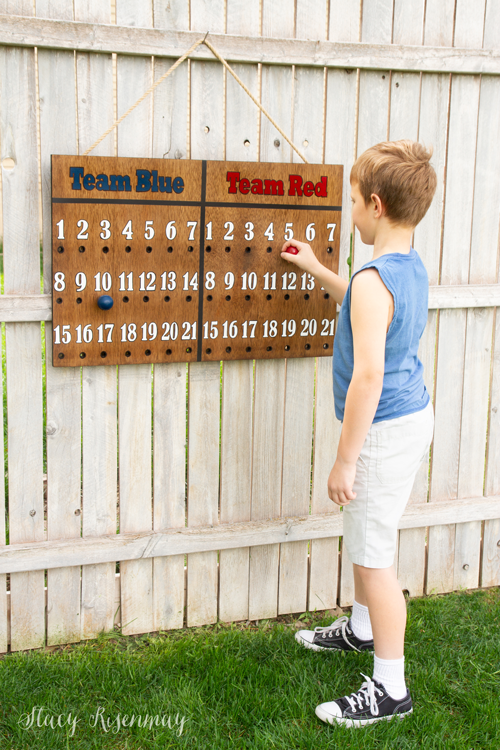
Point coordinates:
[[307, 261]]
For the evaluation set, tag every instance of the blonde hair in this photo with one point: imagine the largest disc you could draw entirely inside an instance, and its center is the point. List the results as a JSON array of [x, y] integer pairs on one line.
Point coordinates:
[[400, 173]]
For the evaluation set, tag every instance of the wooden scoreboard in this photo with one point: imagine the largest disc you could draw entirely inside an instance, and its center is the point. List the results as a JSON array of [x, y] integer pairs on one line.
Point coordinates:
[[160, 260]]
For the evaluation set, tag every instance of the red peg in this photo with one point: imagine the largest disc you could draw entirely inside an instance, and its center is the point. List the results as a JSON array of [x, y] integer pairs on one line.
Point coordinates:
[[292, 250]]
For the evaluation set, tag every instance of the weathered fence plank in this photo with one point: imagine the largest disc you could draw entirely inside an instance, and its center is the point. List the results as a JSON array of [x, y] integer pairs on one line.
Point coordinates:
[[94, 76], [404, 121], [143, 545], [4, 616], [134, 76], [242, 127], [42, 33], [308, 116], [23, 340], [207, 141], [270, 377], [58, 103], [170, 117], [243, 17], [490, 572], [452, 324], [311, 19]]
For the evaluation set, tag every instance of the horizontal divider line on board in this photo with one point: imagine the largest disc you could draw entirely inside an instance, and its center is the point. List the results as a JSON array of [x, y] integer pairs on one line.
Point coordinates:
[[210, 204], [125, 201], [113, 548], [38, 307], [23, 31]]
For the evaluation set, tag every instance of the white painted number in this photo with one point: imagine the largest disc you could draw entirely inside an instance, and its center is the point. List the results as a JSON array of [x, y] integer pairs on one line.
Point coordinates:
[[82, 234], [193, 283], [83, 334], [100, 333], [331, 227], [288, 231], [310, 232], [60, 226], [106, 233], [104, 282], [209, 280], [172, 283], [249, 279], [270, 328], [309, 327], [229, 280], [193, 225], [189, 331], [289, 284], [214, 331], [151, 282], [269, 233], [249, 234], [328, 327], [271, 277], [66, 335], [170, 331], [130, 333], [209, 231], [252, 323], [149, 232], [59, 283], [170, 230], [230, 229], [80, 281], [149, 332], [127, 230], [307, 283], [289, 328], [129, 278], [231, 328]]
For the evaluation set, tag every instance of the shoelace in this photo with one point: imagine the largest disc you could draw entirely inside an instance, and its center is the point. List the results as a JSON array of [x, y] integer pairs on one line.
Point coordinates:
[[335, 627], [366, 693]]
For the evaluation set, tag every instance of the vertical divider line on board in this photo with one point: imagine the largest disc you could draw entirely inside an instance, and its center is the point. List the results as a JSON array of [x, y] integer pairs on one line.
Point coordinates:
[[201, 275]]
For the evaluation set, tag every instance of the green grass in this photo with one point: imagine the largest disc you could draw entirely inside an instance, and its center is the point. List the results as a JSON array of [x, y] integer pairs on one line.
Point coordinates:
[[253, 687]]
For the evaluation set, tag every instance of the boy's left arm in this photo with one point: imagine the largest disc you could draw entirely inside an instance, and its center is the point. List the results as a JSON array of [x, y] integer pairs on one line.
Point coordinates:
[[371, 304]]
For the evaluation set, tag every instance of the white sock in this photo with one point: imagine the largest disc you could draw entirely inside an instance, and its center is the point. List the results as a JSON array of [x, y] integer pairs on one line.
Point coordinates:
[[391, 673], [360, 622]]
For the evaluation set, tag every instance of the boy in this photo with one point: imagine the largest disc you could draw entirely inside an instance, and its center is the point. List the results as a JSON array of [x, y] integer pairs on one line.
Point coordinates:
[[387, 417]]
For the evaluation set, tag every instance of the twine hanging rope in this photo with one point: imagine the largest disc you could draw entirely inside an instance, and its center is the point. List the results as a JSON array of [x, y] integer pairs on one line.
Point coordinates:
[[171, 70]]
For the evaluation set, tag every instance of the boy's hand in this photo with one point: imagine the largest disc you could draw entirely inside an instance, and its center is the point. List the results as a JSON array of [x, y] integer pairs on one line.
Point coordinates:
[[304, 259], [340, 482]]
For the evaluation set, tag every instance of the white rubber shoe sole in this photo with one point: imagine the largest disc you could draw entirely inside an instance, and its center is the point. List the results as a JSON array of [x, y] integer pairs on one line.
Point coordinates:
[[325, 715]]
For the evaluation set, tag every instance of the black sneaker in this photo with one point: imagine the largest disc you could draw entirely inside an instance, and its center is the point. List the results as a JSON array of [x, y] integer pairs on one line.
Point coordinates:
[[371, 703], [336, 637]]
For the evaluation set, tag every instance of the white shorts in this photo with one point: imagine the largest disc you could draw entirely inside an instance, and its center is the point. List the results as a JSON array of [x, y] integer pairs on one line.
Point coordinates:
[[385, 473]]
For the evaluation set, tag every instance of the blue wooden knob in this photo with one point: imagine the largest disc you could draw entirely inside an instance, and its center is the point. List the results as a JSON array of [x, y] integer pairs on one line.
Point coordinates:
[[105, 302]]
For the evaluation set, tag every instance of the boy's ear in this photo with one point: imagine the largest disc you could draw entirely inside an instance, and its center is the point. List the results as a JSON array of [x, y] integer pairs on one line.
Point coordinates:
[[378, 206]]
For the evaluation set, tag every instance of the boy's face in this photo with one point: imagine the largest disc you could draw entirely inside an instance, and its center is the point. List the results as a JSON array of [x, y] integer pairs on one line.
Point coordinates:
[[363, 215]]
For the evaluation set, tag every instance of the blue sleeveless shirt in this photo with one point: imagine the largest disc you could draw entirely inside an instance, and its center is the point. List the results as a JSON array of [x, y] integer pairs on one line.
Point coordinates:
[[403, 389]]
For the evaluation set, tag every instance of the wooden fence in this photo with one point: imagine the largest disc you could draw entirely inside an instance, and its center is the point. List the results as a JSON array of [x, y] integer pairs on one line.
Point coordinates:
[[221, 514]]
